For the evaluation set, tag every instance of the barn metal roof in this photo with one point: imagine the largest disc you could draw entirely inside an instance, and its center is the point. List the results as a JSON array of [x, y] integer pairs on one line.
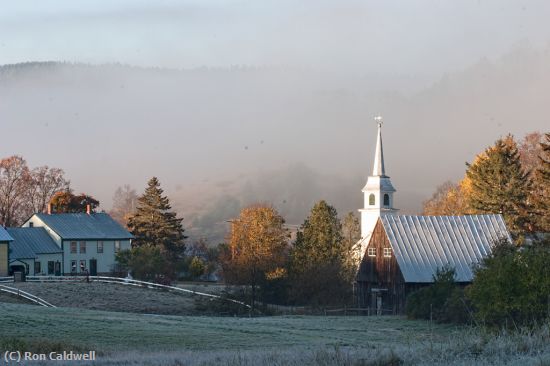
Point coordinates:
[[85, 226], [422, 244], [30, 241], [4, 236]]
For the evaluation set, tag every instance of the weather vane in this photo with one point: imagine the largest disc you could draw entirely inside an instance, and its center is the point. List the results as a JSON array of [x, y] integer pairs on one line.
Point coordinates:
[[378, 120]]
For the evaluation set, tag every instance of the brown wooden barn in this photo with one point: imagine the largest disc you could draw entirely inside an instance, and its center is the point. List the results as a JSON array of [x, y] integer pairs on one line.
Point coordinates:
[[404, 253]]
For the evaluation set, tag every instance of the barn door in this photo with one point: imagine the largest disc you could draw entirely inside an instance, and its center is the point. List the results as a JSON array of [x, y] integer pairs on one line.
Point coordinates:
[[93, 267], [379, 304]]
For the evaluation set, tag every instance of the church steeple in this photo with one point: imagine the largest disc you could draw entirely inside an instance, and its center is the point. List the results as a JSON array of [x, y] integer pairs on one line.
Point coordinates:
[[378, 169], [378, 192]]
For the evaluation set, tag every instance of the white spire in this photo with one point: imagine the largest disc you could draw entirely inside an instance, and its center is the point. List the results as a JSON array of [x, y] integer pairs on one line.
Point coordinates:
[[378, 169]]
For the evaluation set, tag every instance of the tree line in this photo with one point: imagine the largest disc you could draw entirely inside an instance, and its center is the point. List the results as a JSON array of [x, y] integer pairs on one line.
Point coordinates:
[[511, 287], [509, 178], [315, 268]]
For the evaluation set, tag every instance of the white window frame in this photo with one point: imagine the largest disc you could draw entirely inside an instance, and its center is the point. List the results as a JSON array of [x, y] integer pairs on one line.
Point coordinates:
[[387, 252], [371, 252], [117, 246], [100, 245]]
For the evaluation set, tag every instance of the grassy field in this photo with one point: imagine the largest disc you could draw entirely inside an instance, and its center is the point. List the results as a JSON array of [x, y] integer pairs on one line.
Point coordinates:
[[136, 339], [114, 297]]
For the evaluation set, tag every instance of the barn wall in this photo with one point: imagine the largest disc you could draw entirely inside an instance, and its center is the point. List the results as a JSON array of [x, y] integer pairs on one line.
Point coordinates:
[[379, 278], [3, 259]]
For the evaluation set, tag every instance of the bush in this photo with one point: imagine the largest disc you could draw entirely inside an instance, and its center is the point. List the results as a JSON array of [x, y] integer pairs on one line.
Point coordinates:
[[512, 286], [443, 301]]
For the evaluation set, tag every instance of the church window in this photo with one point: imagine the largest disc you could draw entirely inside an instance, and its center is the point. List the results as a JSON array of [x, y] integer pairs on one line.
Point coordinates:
[[372, 252], [371, 200], [387, 252], [387, 200]]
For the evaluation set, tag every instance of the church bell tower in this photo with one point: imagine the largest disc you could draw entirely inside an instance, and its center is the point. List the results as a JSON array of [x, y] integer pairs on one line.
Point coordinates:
[[378, 193]]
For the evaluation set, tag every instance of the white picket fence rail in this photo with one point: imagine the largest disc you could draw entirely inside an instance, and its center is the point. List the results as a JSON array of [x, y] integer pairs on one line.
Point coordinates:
[[129, 282], [26, 295]]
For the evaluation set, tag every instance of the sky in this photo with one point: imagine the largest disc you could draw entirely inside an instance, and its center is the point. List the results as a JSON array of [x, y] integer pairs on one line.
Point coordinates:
[[234, 101], [421, 37]]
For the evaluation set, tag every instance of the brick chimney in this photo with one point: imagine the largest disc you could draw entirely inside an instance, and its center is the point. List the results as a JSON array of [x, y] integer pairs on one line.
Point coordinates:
[[89, 209], [49, 208]]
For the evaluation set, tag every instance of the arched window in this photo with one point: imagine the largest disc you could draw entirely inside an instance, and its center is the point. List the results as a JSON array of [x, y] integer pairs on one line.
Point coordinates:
[[371, 199], [387, 200]]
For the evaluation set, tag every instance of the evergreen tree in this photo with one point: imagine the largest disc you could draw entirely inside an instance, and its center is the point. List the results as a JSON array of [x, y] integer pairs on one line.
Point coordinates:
[[499, 185], [541, 188], [155, 225], [319, 260]]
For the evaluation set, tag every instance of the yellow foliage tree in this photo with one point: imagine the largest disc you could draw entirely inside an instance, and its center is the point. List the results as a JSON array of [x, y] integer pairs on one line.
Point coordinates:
[[257, 248]]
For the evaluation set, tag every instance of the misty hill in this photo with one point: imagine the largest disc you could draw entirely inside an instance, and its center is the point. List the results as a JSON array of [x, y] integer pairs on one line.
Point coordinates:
[[222, 138]]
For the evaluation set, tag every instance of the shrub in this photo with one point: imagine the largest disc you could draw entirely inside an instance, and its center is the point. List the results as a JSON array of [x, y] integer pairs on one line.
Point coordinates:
[[443, 301], [512, 286]]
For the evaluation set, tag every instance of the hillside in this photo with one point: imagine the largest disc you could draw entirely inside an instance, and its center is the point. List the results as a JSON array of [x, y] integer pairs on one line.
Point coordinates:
[[219, 139]]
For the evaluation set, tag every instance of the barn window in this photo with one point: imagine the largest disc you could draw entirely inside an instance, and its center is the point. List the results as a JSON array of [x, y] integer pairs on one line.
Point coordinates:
[[372, 252], [83, 247], [371, 199], [387, 200], [387, 252], [73, 247]]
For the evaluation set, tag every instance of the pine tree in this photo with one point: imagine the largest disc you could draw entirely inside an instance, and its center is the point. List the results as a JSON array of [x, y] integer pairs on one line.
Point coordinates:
[[541, 188], [319, 259], [155, 225], [499, 185]]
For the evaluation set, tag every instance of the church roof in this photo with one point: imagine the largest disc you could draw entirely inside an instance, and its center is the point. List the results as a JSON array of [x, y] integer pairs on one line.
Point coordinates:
[[423, 244]]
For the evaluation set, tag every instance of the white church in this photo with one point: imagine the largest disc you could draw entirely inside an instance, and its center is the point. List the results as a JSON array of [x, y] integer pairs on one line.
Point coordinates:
[[398, 254]]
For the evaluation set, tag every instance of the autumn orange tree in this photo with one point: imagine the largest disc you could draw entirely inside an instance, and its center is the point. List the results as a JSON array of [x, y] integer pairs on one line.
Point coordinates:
[[24, 191], [257, 249]]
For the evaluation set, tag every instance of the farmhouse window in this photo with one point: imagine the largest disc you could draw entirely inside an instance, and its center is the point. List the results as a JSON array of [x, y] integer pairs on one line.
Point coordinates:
[[117, 246], [372, 252], [37, 268], [73, 247], [51, 267], [31, 224], [73, 266], [372, 199], [387, 252], [82, 266], [100, 247], [83, 247]]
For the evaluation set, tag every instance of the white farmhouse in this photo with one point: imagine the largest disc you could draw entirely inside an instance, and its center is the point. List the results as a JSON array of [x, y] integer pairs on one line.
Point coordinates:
[[33, 252], [88, 241]]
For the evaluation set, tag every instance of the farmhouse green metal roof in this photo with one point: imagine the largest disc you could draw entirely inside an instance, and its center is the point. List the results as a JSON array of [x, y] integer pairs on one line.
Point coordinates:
[[30, 241], [4, 236], [83, 226]]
